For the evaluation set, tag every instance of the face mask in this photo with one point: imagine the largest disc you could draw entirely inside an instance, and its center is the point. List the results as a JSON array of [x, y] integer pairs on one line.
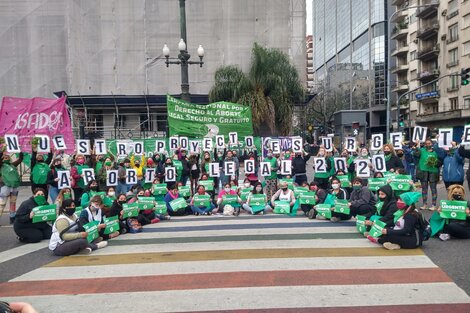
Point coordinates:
[[40, 200], [387, 152], [259, 189], [108, 163], [94, 188], [335, 186], [269, 155], [356, 187], [95, 208], [399, 155], [81, 162], [69, 211], [111, 194], [227, 189], [457, 197], [364, 154], [40, 161], [382, 198], [284, 188], [247, 185], [137, 165], [401, 205], [6, 161], [122, 202], [67, 196]]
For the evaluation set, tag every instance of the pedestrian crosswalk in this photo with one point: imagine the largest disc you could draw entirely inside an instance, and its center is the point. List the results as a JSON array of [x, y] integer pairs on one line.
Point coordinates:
[[245, 264]]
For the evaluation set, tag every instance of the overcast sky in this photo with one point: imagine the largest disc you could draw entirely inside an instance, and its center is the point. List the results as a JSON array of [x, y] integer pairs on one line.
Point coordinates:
[[309, 17]]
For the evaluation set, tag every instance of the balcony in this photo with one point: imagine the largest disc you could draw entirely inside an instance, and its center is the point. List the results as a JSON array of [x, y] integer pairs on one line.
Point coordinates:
[[400, 16], [399, 33], [428, 53], [427, 12], [400, 51], [440, 116], [400, 68], [398, 3], [428, 97], [426, 76], [428, 32], [400, 87]]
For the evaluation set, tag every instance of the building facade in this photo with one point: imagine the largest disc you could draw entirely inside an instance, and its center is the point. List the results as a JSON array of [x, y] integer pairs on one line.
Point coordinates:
[[110, 49], [432, 41], [350, 55]]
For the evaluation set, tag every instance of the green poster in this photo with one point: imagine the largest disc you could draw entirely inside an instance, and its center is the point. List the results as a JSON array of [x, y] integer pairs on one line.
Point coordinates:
[[230, 199], [44, 213], [78, 210], [379, 206], [389, 175], [258, 200], [92, 230], [341, 206], [208, 184], [146, 203], [453, 209], [375, 183], [282, 207], [219, 118], [376, 229], [244, 193], [159, 189], [160, 208], [178, 204], [202, 200], [344, 179], [360, 223], [397, 215], [185, 191], [401, 182], [130, 209], [112, 224], [179, 167], [299, 190], [323, 210], [307, 198]]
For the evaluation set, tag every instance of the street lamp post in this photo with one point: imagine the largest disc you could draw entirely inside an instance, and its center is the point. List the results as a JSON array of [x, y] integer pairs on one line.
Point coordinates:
[[389, 51], [183, 56]]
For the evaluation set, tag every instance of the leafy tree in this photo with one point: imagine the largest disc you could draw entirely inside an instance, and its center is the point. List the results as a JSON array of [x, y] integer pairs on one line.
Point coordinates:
[[271, 87]]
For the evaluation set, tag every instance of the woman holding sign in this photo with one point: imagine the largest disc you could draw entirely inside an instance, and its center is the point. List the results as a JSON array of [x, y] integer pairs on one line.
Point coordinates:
[[459, 225], [201, 202], [93, 213], [392, 162], [284, 194], [27, 228], [251, 205], [66, 239], [428, 172]]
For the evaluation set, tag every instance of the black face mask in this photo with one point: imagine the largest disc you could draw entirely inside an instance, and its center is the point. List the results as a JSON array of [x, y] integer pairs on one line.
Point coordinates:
[[284, 189], [383, 199], [399, 155], [40, 161], [122, 202], [457, 197], [94, 188], [69, 211]]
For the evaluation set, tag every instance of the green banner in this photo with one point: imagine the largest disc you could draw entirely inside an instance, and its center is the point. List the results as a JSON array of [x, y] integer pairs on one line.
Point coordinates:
[[208, 184], [453, 209], [344, 179], [389, 175], [184, 191], [341, 206], [146, 203], [230, 199], [376, 229], [375, 183], [289, 181], [282, 207], [44, 213], [300, 190], [219, 118], [244, 193], [178, 204], [130, 210], [323, 210], [160, 208], [307, 198], [112, 224], [202, 200], [92, 230], [258, 200], [379, 205], [360, 223], [159, 189], [401, 182]]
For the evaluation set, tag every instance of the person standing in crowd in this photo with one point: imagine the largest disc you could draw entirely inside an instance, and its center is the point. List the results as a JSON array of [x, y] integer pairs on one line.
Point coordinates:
[[136, 164], [66, 239], [392, 161], [323, 178], [299, 167], [76, 172], [271, 180], [39, 170], [53, 178], [410, 160], [452, 168], [9, 182], [123, 187], [186, 170], [102, 173], [427, 171], [194, 171], [230, 158], [25, 229], [363, 155]]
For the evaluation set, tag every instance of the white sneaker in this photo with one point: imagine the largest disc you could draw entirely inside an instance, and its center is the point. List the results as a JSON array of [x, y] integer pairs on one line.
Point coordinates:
[[101, 244], [444, 237], [424, 207], [85, 251], [391, 246], [335, 219], [432, 208], [320, 217]]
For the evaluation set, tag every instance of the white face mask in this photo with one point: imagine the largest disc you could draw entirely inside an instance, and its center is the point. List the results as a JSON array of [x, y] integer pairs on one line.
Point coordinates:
[[111, 193], [259, 189], [364, 154], [227, 189], [247, 185], [335, 186]]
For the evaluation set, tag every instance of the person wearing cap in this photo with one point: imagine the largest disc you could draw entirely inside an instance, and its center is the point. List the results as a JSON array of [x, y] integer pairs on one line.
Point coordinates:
[[452, 168], [53, 178], [283, 194], [361, 200], [404, 234], [39, 170], [9, 182]]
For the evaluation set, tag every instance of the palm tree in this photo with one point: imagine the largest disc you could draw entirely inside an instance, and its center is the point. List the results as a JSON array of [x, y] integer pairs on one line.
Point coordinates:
[[271, 87]]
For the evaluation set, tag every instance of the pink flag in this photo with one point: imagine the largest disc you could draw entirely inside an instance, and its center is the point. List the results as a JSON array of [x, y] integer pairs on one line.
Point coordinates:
[[38, 116]]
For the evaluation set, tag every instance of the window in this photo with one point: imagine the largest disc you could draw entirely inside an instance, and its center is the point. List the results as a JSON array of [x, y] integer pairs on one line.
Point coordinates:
[[453, 32], [454, 103], [466, 103], [119, 121], [454, 82], [413, 18], [466, 21], [466, 48], [453, 57], [452, 7], [413, 74], [413, 55]]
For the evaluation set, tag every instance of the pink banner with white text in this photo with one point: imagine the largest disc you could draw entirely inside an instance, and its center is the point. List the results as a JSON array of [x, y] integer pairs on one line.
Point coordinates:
[[37, 116]]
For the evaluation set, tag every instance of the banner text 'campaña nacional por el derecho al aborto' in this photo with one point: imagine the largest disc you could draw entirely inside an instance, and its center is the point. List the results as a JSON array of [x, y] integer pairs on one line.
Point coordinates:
[[208, 120], [29, 118]]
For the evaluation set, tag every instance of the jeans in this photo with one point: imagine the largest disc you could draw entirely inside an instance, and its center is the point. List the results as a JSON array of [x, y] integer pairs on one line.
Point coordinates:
[[411, 170], [202, 210], [53, 193], [122, 188]]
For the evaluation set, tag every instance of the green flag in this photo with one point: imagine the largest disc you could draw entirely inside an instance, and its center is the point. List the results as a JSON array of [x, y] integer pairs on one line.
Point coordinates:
[[323, 210], [282, 207], [341, 206], [195, 120], [44, 213], [344, 179], [184, 191], [112, 224], [160, 208], [130, 209], [208, 184], [376, 183], [453, 209], [307, 198], [159, 189], [92, 230], [376, 229], [401, 182], [202, 200], [178, 204], [360, 223]]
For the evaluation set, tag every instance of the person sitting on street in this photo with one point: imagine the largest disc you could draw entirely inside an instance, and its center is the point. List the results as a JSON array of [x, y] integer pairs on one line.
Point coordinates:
[[198, 209], [250, 207], [283, 194], [361, 200]]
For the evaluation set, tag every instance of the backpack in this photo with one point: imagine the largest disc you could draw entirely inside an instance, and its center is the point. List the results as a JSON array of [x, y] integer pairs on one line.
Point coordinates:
[[422, 225]]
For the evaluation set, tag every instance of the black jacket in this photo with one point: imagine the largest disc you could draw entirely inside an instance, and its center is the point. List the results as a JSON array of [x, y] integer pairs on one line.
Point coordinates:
[[22, 219], [299, 165], [361, 197], [394, 162], [389, 207]]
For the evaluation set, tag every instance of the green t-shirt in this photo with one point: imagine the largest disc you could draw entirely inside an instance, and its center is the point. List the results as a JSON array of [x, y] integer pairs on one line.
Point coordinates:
[[273, 162], [424, 160]]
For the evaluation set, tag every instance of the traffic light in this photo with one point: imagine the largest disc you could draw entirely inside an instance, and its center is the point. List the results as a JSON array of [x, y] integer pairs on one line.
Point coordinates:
[[401, 123], [465, 76]]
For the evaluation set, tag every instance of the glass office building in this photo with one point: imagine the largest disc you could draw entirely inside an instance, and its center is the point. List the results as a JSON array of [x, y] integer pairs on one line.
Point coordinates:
[[350, 51]]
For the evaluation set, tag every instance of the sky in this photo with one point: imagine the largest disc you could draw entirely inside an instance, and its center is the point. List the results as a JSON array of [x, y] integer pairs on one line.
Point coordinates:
[[309, 17]]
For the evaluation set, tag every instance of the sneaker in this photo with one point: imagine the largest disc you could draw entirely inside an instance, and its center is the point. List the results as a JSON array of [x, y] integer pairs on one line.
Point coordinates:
[[335, 219], [311, 214], [155, 220], [196, 213], [391, 246], [85, 251], [320, 217], [424, 207], [366, 234], [432, 208], [372, 239], [444, 237], [236, 212], [167, 217], [101, 244]]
